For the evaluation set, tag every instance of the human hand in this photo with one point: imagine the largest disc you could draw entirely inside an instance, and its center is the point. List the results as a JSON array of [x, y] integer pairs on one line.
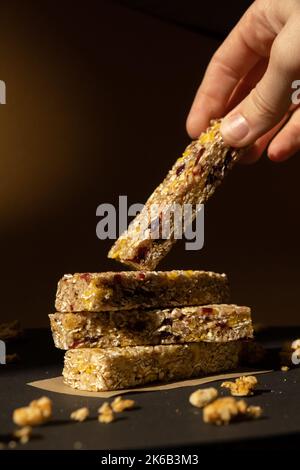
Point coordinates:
[[250, 79]]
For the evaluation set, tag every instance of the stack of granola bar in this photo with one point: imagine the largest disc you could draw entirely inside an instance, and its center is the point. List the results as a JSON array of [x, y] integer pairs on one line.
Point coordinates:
[[131, 328], [134, 327]]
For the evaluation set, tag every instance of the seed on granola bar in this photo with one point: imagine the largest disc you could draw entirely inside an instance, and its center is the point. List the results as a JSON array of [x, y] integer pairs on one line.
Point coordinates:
[[80, 415], [203, 397], [242, 387], [120, 404]]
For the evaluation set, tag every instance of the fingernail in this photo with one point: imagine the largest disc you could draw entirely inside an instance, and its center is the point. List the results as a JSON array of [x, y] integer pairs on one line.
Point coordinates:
[[234, 128]]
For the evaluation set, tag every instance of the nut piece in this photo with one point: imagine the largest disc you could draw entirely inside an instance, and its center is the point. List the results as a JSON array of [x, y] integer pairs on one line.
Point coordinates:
[[119, 404], [295, 344], [242, 387], [45, 405], [38, 412], [203, 397], [106, 414], [285, 368], [254, 411], [225, 410], [80, 415], [23, 434]]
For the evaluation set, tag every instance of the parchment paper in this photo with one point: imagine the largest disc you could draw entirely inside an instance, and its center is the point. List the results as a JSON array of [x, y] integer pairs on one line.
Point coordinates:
[[57, 385]]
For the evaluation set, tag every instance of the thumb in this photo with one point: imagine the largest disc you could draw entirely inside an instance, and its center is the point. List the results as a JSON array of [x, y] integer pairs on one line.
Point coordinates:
[[263, 108]]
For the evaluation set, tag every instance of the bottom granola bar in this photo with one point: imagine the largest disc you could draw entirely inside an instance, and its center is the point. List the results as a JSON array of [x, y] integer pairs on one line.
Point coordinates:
[[119, 368], [215, 323]]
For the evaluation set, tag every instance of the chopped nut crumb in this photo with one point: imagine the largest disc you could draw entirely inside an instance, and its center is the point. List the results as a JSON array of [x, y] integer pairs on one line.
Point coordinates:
[[285, 368], [45, 405], [295, 344], [107, 417], [106, 414], [254, 411], [12, 444], [120, 404], [38, 412], [80, 415], [105, 407], [23, 434], [242, 387], [225, 410], [203, 397]]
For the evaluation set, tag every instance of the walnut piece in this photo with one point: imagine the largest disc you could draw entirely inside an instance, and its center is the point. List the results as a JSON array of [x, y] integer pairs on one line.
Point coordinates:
[[296, 344], [120, 404], [23, 434], [203, 397], [38, 412], [242, 387], [106, 414], [254, 411], [80, 415], [225, 410]]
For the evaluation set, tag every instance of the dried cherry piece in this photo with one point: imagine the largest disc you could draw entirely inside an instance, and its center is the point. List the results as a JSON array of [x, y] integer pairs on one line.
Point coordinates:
[[141, 276], [207, 310], [180, 169], [86, 277]]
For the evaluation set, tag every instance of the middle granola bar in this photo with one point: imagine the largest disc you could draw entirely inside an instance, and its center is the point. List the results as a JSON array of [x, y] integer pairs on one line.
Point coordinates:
[[210, 323], [97, 292]]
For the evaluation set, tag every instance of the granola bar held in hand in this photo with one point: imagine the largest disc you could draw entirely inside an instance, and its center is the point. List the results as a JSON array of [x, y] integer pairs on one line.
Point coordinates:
[[213, 323], [118, 368], [192, 180], [96, 292]]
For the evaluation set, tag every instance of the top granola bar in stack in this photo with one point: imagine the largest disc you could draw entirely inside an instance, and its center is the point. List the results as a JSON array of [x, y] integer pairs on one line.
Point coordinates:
[[96, 292], [192, 180]]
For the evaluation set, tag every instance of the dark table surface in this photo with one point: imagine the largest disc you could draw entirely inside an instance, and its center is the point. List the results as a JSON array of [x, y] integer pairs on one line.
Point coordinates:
[[162, 419]]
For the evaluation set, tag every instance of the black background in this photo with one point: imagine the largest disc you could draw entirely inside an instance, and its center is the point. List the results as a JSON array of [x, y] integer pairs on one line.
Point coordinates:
[[97, 97]]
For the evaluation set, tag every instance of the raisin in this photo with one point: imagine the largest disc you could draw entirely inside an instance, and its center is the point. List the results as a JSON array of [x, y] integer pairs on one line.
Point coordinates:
[[141, 254], [201, 151], [76, 344], [180, 169], [207, 310]]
